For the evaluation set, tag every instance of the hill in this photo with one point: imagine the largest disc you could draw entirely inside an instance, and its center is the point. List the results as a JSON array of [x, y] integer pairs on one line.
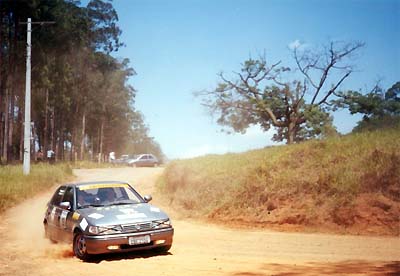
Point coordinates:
[[349, 184]]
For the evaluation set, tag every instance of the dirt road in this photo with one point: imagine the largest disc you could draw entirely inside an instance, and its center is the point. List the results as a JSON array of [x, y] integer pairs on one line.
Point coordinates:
[[199, 248]]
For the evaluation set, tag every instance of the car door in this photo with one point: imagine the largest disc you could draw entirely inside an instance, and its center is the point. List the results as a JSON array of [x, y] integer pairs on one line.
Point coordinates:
[[65, 222], [54, 212], [142, 160], [149, 161], [152, 160]]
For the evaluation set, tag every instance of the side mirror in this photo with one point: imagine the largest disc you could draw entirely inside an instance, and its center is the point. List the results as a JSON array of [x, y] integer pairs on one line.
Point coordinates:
[[147, 198], [65, 205]]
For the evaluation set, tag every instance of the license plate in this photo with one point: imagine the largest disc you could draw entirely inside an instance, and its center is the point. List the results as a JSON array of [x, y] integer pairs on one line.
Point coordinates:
[[139, 240]]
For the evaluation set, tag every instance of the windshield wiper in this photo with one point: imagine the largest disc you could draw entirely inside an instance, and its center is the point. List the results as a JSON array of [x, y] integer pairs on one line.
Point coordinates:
[[90, 205], [123, 202]]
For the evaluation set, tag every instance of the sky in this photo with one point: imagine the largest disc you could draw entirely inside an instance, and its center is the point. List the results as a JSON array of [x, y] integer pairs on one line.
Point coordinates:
[[179, 47]]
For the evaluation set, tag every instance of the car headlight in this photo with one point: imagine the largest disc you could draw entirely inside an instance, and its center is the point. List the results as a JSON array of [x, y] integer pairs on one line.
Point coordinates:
[[158, 224], [105, 230]]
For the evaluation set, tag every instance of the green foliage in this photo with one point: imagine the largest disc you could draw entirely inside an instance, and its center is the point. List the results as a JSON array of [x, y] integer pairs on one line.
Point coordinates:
[[375, 123], [105, 31], [319, 123], [380, 109]]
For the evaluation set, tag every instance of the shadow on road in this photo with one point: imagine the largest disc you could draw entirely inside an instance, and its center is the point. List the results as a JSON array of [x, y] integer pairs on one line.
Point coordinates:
[[96, 259], [342, 268]]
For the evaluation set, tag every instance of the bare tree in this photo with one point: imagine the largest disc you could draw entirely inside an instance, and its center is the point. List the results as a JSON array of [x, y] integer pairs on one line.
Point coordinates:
[[320, 68]]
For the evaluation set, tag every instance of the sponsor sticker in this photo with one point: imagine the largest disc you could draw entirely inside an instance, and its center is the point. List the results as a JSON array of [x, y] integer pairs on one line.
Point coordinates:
[[83, 224], [98, 186], [96, 216], [128, 211], [53, 213], [131, 216], [75, 216], [63, 219]]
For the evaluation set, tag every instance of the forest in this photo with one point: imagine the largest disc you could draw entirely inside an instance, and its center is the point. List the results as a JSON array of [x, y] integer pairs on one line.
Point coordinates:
[[82, 104]]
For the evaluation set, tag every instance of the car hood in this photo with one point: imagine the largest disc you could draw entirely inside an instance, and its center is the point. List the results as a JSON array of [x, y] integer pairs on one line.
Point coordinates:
[[122, 214]]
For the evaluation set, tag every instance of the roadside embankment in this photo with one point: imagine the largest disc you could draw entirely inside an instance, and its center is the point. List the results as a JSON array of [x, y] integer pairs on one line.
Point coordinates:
[[349, 184]]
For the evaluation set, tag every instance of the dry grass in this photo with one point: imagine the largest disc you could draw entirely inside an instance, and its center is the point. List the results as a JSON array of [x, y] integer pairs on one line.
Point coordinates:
[[305, 184], [15, 187]]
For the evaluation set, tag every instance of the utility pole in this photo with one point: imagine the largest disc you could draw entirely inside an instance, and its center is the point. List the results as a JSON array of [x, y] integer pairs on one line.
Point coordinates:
[[27, 123]]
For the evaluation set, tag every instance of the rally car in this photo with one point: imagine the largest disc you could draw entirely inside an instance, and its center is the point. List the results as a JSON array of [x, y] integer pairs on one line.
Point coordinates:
[[104, 217]]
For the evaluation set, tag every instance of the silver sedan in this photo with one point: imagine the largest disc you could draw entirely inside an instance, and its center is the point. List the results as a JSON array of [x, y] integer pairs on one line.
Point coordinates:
[[104, 217]]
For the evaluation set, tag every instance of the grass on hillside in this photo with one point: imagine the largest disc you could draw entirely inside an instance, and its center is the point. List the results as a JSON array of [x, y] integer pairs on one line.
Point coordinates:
[[304, 183], [16, 187]]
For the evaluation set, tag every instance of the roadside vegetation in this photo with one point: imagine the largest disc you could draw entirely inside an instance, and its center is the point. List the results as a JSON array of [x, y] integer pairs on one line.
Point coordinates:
[[348, 184], [16, 187]]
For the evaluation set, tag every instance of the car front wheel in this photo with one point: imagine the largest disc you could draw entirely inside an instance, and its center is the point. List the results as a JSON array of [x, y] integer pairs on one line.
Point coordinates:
[[79, 247]]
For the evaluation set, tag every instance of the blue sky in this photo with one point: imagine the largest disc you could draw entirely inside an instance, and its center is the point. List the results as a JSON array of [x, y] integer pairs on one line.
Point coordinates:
[[178, 47]]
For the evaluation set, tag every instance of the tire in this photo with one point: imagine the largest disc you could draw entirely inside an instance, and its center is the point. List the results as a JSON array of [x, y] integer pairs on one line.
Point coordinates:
[[134, 165], [79, 247]]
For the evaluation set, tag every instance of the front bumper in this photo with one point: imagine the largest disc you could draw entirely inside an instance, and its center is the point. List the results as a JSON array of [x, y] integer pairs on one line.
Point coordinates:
[[120, 242]]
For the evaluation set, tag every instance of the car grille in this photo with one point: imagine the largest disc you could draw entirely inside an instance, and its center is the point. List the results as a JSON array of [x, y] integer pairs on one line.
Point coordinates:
[[137, 227]]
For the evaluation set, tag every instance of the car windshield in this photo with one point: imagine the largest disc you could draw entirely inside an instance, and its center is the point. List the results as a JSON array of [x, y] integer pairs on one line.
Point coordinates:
[[97, 195]]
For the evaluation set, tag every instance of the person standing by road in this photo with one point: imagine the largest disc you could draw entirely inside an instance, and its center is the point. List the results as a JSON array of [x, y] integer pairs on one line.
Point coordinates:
[[50, 156]]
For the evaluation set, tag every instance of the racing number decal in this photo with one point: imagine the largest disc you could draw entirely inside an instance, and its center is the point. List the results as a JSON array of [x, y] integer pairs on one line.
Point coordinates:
[[53, 214], [63, 219]]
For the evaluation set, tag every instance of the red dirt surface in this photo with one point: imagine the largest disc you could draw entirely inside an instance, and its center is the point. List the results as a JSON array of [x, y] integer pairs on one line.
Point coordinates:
[[199, 248]]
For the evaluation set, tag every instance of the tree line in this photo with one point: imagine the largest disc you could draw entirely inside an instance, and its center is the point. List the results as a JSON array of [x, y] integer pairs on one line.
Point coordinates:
[[82, 103]]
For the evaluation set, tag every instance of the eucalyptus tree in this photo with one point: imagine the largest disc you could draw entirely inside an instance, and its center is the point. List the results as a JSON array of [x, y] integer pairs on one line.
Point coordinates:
[[80, 93]]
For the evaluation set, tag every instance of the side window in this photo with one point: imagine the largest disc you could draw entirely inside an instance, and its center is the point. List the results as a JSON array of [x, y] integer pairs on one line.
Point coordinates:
[[69, 196], [143, 157], [58, 195]]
